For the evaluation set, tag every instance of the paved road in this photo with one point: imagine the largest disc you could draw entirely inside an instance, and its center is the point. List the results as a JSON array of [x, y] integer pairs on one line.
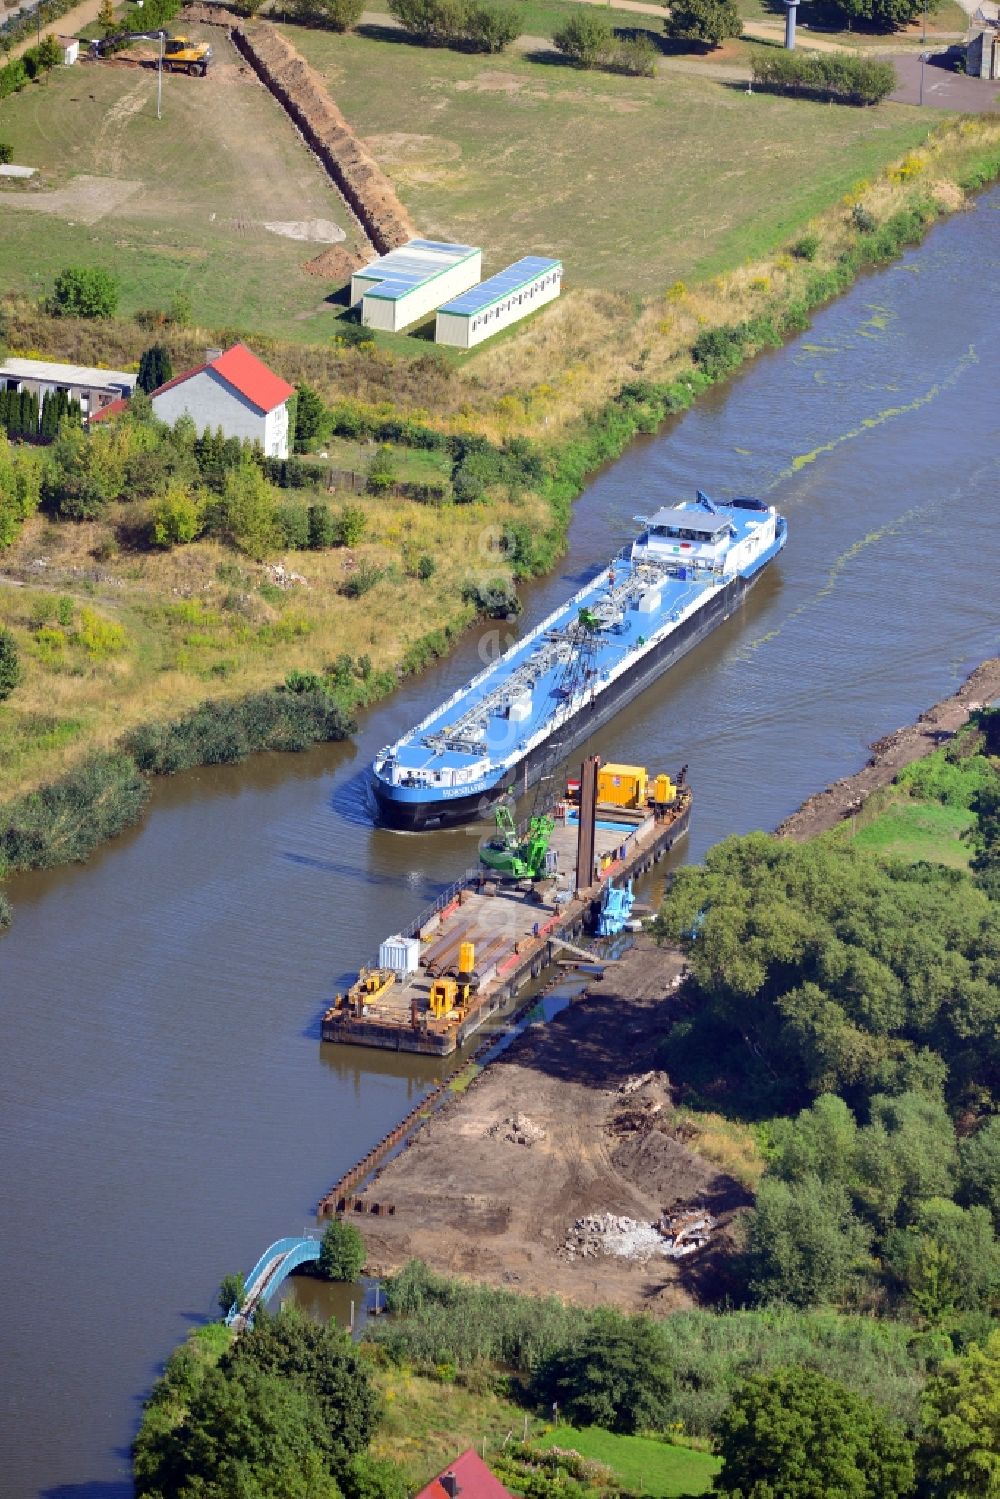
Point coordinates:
[[944, 89], [68, 25]]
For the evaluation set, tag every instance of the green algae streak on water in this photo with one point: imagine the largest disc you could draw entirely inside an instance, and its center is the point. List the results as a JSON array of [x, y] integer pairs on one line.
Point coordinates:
[[167, 1107]]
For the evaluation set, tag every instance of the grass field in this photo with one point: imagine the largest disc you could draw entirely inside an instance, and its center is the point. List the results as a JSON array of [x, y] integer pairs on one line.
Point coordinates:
[[202, 621], [911, 829], [635, 183], [427, 1422], [640, 1463], [177, 204]]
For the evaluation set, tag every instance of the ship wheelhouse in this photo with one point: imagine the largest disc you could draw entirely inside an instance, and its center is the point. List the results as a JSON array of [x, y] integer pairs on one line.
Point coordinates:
[[684, 535]]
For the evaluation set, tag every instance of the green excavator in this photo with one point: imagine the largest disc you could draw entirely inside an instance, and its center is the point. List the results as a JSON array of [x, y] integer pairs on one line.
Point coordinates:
[[518, 858]]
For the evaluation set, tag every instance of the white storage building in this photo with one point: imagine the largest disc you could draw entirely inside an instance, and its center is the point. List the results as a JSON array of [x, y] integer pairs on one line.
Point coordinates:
[[498, 302], [400, 288]]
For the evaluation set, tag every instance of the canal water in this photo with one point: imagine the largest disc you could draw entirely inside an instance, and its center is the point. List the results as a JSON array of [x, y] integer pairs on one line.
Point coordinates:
[[166, 1108]]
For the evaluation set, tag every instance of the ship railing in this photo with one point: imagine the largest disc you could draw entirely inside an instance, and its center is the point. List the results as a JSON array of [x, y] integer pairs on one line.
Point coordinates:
[[444, 899]]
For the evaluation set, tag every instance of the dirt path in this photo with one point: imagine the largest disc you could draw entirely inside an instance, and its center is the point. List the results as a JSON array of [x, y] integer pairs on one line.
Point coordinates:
[[473, 1198], [68, 25], [938, 724]]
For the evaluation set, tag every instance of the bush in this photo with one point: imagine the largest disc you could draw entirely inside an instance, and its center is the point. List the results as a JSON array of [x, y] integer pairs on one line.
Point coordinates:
[[6, 153], [155, 368], [13, 78], [491, 28], [798, 1434], [178, 517], [877, 15], [66, 821], [335, 15], [342, 1255], [84, 291], [322, 528], [10, 665], [496, 597], [349, 526], [805, 248], [708, 22], [844, 77], [615, 1375], [635, 56], [310, 414], [437, 22], [293, 526], [426, 567], [381, 471], [180, 310], [222, 733], [586, 38], [364, 578]]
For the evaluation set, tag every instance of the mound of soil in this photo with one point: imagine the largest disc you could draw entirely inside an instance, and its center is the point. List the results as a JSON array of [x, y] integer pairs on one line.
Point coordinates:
[[334, 264]]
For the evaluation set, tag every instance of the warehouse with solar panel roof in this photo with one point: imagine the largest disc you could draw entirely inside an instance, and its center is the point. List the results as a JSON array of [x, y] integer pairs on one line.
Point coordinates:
[[398, 289], [497, 302]]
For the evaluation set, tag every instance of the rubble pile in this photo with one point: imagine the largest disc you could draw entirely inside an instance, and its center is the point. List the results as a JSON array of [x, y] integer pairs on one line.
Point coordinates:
[[283, 577], [686, 1232], [675, 1236], [607, 1233], [518, 1129]]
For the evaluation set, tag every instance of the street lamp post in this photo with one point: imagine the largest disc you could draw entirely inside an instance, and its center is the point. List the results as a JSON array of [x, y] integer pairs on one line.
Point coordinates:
[[923, 59], [790, 8], [159, 79]]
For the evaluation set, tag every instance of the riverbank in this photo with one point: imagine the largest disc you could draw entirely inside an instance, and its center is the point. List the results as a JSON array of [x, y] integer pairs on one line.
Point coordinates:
[[891, 753]]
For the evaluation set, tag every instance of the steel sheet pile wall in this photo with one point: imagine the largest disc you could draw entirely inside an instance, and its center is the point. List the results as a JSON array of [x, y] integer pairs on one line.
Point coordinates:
[[300, 90]]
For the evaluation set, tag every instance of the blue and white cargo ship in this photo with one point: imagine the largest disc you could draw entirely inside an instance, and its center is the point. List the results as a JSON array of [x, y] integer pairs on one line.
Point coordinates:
[[685, 573]]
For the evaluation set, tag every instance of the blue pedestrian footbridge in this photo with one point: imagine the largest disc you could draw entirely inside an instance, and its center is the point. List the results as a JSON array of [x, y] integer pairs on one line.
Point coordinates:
[[274, 1266]]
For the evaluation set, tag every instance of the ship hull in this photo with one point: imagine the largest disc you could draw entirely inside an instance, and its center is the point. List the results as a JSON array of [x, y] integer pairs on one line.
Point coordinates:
[[426, 812]]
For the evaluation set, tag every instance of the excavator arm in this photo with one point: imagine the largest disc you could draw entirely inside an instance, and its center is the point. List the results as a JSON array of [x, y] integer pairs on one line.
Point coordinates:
[[102, 44]]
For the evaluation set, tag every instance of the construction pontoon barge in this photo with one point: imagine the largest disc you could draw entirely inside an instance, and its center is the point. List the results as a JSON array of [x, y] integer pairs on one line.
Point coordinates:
[[516, 930]]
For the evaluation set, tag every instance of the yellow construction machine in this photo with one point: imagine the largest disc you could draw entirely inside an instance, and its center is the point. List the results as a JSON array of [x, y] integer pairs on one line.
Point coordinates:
[[449, 994], [180, 53]]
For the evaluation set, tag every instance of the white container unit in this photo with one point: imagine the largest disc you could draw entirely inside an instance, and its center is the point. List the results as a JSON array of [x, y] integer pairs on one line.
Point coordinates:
[[401, 954], [504, 299], [402, 287]]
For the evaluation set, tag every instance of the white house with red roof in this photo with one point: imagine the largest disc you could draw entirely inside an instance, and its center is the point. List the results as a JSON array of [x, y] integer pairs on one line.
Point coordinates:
[[468, 1477], [234, 391]]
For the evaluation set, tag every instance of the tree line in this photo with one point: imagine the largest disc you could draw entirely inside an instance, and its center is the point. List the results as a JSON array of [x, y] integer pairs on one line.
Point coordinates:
[[851, 1006]]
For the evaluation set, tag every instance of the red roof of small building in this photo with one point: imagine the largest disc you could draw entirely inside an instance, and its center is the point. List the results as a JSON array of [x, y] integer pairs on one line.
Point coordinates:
[[246, 374], [112, 409], [467, 1477]]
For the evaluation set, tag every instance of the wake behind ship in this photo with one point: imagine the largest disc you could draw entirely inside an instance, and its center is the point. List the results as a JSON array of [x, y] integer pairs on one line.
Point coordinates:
[[684, 574]]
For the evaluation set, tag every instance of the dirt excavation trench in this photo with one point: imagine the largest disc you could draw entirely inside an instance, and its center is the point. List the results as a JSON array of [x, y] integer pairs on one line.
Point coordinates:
[[568, 1125], [302, 94]]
